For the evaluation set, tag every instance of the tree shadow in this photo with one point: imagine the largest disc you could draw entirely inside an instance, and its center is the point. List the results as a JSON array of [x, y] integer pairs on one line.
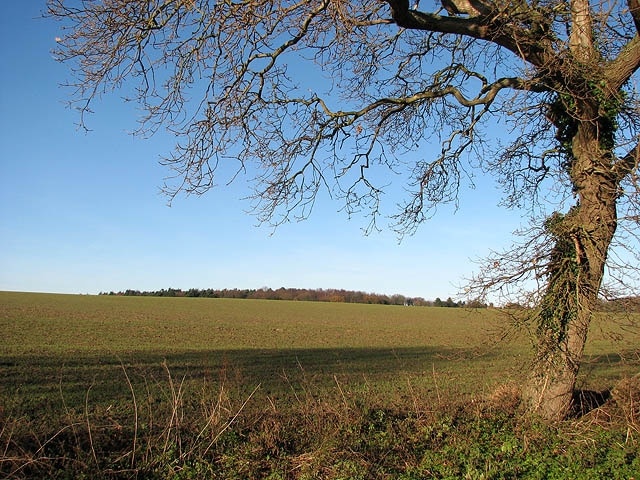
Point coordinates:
[[585, 401], [45, 382]]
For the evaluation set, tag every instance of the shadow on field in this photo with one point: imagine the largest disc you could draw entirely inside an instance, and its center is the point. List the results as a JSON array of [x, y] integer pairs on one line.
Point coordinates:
[[43, 383], [601, 369], [614, 358], [38, 386]]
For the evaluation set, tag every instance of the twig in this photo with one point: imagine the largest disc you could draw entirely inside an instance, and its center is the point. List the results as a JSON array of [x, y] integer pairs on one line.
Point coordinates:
[[210, 418], [176, 398], [66, 410], [230, 422], [135, 412], [435, 382], [86, 413], [66, 427], [344, 398]]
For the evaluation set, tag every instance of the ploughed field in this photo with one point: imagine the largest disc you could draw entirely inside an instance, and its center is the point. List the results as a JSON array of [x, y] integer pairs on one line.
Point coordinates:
[[193, 377]]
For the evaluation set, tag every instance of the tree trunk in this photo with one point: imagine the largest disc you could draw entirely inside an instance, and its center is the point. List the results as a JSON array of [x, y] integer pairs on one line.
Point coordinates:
[[554, 376], [575, 273]]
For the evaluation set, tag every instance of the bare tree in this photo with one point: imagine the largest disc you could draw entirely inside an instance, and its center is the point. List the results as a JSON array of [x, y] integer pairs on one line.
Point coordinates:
[[315, 95]]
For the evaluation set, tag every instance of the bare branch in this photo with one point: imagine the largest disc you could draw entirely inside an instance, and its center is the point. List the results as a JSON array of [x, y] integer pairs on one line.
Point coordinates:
[[619, 70], [628, 164], [634, 10], [495, 25]]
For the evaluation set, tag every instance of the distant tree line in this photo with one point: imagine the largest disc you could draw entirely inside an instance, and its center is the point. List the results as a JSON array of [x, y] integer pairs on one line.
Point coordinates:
[[302, 294]]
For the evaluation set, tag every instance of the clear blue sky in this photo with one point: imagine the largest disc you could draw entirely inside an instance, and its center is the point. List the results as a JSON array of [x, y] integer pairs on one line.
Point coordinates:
[[82, 213]]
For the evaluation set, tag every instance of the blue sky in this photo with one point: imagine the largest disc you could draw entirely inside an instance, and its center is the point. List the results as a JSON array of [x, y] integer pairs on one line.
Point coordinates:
[[82, 213]]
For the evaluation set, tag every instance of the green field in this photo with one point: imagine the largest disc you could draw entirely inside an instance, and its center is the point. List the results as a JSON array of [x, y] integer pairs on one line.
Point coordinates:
[[75, 371]]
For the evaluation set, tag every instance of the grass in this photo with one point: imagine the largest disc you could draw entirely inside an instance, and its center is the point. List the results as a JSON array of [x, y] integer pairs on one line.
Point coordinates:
[[67, 323], [142, 387]]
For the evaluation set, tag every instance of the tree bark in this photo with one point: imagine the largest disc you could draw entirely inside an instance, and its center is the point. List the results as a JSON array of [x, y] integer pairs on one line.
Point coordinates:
[[576, 271]]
